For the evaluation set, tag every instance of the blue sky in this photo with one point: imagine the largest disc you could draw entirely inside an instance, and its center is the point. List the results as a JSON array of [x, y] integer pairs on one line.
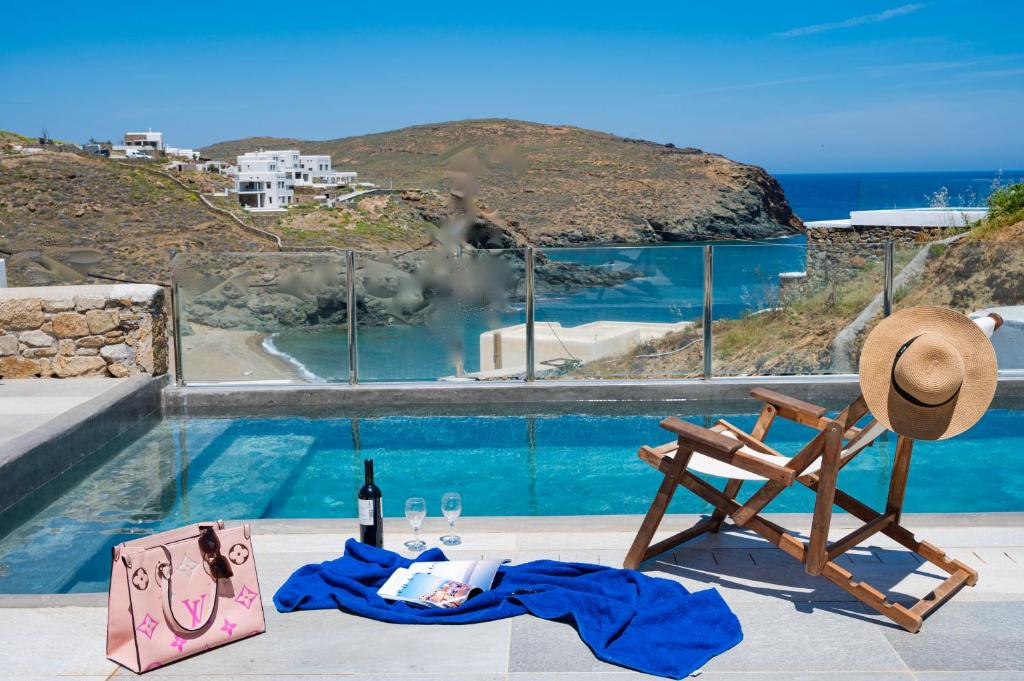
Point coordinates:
[[793, 86]]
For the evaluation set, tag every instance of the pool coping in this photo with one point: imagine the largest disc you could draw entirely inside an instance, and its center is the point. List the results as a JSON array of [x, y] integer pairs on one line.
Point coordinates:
[[34, 458], [197, 398]]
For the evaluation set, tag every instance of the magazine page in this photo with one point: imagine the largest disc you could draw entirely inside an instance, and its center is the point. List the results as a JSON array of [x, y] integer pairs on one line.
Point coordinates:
[[425, 589], [478, 573]]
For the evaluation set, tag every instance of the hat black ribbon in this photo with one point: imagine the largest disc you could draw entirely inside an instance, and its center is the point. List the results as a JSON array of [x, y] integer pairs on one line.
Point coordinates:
[[903, 393]]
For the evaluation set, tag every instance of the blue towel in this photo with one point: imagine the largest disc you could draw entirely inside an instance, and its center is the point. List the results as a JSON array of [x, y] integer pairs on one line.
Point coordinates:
[[627, 618]]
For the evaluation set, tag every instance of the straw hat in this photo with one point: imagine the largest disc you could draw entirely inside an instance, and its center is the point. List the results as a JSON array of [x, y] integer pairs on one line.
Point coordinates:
[[927, 372]]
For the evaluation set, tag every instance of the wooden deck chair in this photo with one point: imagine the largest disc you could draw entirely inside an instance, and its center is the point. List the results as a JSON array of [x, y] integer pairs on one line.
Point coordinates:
[[727, 452]]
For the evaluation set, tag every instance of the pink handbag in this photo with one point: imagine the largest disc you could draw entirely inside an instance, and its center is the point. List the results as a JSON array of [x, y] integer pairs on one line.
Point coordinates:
[[182, 592]]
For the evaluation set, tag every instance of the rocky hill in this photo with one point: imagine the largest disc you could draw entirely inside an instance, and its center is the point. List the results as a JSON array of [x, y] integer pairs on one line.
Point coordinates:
[[561, 185]]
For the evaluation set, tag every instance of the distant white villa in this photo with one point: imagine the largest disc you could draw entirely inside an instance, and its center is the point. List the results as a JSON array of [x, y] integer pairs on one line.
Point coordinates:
[[151, 141], [143, 145], [266, 180], [175, 152]]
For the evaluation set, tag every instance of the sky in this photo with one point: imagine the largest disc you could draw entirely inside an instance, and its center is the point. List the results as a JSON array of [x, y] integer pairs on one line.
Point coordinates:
[[791, 86]]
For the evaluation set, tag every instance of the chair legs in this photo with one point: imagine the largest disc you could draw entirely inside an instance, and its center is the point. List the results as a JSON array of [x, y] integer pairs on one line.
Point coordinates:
[[817, 555]]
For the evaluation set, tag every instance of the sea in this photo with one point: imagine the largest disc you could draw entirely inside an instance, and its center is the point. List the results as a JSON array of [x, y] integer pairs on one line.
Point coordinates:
[[670, 288]]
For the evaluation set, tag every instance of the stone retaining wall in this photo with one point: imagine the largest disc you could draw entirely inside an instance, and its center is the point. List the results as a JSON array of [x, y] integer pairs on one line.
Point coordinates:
[[838, 253], [69, 331]]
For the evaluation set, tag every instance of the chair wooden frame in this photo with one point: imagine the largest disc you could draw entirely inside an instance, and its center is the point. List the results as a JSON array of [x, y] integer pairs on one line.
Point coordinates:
[[817, 555]]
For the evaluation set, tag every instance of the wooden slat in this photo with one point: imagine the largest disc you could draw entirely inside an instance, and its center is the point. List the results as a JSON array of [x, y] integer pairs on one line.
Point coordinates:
[[764, 422], [659, 457], [898, 478], [704, 440], [859, 535], [664, 545], [817, 548], [788, 403], [748, 440], [852, 413], [872, 597], [940, 594]]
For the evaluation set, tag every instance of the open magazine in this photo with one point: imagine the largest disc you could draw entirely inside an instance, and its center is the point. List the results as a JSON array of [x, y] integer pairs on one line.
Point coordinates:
[[441, 584]]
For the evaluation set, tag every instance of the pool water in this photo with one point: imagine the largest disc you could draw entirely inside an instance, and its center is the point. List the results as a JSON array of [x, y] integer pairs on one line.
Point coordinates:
[[183, 470]]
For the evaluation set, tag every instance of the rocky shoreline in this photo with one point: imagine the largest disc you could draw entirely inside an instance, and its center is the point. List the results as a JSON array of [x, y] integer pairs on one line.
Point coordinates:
[[276, 292]]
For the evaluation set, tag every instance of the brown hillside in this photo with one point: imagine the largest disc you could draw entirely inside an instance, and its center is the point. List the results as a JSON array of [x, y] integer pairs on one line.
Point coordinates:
[[561, 185], [63, 214]]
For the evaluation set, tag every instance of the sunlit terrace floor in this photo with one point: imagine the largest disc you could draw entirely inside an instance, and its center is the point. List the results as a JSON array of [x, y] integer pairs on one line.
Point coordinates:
[[796, 626], [29, 404]]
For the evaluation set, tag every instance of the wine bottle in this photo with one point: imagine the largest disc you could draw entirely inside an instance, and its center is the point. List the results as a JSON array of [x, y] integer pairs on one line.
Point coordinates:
[[371, 514]]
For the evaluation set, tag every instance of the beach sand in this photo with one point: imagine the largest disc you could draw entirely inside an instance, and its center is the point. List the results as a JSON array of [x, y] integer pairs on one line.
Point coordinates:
[[210, 354]]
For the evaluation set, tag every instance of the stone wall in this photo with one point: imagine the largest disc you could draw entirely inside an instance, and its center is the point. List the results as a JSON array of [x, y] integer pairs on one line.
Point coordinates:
[[839, 253], [69, 331]]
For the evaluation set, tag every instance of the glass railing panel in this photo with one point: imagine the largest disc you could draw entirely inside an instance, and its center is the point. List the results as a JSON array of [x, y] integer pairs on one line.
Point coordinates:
[[973, 276], [785, 309], [440, 314], [630, 312], [262, 317]]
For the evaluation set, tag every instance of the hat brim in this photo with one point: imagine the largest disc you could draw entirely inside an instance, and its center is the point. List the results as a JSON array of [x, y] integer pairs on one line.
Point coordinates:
[[905, 417]]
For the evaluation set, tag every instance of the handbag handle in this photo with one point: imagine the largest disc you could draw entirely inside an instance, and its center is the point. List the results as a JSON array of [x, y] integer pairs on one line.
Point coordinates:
[[201, 617]]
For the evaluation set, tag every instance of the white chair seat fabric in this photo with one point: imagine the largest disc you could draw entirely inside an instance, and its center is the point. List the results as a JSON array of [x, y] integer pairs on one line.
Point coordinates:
[[715, 468]]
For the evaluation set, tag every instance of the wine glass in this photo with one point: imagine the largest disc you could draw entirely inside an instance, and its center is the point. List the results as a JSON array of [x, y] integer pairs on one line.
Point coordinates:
[[415, 512], [451, 506]]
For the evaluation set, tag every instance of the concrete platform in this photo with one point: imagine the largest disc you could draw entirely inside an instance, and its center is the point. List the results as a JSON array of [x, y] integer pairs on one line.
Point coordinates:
[[29, 403], [796, 627]]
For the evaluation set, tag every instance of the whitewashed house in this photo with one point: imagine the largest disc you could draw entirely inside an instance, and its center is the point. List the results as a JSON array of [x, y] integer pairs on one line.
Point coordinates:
[[265, 180], [290, 169]]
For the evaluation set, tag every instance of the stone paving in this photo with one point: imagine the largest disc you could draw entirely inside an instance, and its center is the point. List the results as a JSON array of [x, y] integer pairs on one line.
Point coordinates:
[[796, 627]]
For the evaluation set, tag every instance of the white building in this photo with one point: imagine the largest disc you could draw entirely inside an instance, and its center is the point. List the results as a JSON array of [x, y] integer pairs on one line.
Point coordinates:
[[151, 141], [266, 180], [176, 152]]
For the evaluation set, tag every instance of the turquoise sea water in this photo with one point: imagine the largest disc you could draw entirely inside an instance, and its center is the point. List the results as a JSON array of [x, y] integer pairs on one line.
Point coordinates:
[[185, 470]]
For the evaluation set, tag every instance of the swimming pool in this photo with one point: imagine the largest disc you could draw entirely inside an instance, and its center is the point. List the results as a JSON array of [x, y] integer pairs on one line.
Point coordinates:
[[519, 462]]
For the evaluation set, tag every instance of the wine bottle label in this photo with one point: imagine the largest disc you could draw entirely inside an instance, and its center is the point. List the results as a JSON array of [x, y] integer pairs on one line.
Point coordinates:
[[366, 511]]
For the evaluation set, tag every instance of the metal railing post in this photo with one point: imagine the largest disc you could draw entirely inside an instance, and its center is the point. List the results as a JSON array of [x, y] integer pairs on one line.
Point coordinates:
[[179, 371], [708, 299], [530, 375], [890, 253], [350, 306]]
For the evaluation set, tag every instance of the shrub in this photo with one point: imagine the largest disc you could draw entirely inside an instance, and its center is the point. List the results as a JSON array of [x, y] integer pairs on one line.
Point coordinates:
[[1006, 200]]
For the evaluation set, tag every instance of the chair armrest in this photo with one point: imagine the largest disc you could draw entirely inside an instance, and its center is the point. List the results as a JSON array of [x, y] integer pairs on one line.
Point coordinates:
[[699, 439], [724, 449], [789, 407]]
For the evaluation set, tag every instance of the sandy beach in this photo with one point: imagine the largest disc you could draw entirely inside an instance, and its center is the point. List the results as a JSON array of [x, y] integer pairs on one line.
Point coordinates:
[[210, 354]]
